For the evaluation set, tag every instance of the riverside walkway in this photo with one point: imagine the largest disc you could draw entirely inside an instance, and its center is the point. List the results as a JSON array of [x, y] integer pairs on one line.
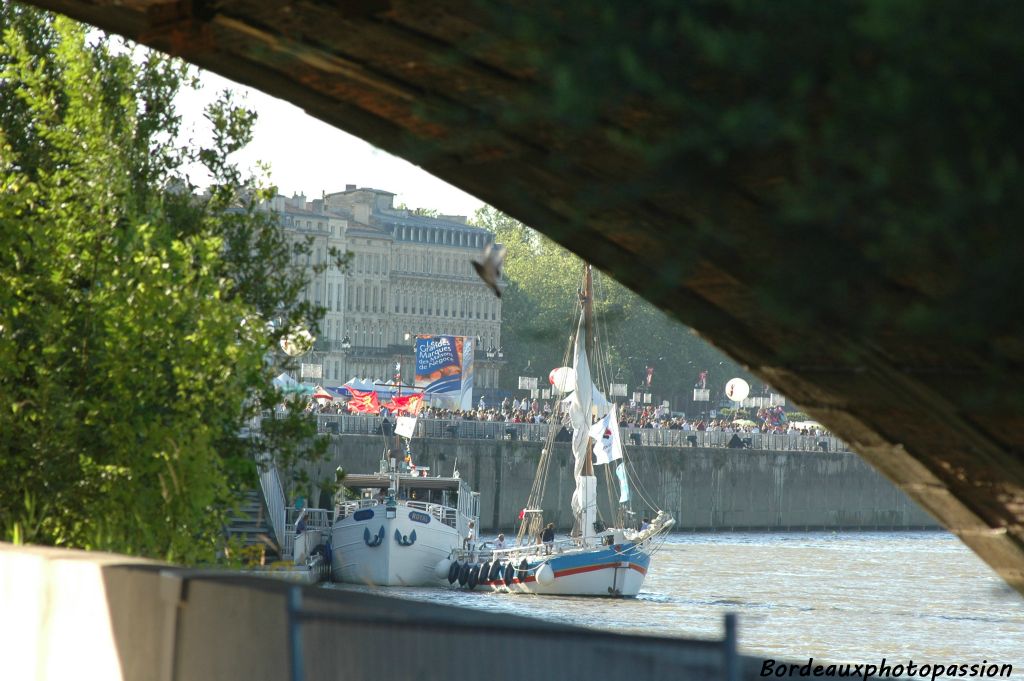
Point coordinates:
[[340, 424]]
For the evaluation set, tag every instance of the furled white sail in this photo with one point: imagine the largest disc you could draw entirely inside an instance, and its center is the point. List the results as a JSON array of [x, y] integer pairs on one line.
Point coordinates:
[[599, 402], [580, 408]]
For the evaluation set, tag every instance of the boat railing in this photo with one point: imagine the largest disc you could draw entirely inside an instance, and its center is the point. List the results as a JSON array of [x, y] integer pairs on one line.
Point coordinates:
[[347, 508], [485, 551], [443, 514], [316, 519]]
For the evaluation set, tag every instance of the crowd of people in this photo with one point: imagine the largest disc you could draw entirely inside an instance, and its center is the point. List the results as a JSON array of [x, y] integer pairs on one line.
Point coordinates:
[[766, 420]]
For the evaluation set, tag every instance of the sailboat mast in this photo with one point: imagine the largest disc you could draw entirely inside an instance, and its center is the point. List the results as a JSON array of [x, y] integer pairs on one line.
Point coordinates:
[[588, 329]]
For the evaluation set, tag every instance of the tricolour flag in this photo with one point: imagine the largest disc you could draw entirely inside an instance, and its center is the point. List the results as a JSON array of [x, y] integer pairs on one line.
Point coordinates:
[[607, 444]]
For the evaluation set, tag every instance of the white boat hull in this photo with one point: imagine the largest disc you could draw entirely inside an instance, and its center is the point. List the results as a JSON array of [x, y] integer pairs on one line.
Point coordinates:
[[366, 550]]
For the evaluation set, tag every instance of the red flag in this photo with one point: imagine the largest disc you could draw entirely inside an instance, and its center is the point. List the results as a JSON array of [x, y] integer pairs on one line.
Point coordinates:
[[365, 402], [406, 404], [522, 513]]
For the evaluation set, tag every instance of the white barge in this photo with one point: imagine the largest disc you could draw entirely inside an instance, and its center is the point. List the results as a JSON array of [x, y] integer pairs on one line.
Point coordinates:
[[400, 527]]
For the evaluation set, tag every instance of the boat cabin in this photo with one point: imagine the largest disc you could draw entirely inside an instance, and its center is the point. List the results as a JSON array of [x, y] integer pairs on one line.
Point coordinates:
[[450, 500]]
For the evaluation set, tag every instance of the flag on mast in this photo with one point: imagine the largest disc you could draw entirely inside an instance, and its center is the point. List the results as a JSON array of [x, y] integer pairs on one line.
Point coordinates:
[[607, 444], [620, 472]]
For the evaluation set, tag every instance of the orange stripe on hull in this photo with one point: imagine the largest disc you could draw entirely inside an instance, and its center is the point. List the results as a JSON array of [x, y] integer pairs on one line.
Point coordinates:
[[602, 566], [565, 573]]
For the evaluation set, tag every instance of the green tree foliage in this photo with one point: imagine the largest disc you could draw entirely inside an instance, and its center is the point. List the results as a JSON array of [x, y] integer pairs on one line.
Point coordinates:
[[132, 312], [540, 306]]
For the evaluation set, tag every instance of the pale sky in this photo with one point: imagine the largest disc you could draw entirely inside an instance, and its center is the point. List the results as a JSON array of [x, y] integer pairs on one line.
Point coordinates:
[[308, 156]]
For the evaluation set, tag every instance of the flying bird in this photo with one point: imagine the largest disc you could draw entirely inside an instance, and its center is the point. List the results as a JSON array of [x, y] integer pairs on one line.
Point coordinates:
[[488, 267]]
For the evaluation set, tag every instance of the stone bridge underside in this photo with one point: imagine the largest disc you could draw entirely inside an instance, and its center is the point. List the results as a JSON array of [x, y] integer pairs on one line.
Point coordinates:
[[424, 80]]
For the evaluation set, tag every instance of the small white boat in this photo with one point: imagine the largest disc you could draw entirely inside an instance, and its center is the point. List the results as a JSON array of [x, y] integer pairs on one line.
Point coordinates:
[[400, 528]]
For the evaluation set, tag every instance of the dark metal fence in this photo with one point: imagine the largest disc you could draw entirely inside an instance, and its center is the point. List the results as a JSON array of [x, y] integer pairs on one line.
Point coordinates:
[[398, 638], [342, 424]]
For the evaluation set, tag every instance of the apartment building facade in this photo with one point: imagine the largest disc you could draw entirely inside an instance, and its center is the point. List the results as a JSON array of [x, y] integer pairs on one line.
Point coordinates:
[[408, 274]]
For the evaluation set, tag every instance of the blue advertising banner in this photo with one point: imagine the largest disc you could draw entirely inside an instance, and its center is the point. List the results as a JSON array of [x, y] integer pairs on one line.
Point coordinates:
[[444, 369]]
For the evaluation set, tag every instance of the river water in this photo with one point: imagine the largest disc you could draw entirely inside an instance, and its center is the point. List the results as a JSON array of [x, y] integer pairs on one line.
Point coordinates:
[[842, 597]]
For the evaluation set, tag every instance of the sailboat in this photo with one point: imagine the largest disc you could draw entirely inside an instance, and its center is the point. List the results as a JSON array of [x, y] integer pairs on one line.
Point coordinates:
[[595, 560]]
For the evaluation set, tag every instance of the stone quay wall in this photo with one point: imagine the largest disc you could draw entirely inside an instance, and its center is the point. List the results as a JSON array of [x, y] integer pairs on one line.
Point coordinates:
[[705, 489]]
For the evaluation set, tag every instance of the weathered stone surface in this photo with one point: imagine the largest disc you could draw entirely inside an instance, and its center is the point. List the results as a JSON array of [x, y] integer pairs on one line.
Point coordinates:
[[712, 489]]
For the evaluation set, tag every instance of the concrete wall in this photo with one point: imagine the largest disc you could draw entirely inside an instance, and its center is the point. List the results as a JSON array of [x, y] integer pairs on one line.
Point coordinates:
[[704, 489], [75, 615]]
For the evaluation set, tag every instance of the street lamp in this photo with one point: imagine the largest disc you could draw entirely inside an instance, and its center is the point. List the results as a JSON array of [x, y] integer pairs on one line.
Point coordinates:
[[346, 344], [410, 340]]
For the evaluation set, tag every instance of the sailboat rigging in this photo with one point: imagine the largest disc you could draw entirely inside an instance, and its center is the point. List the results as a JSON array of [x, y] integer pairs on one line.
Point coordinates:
[[595, 560]]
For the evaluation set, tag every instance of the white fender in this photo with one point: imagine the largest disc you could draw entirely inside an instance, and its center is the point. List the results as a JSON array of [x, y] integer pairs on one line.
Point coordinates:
[[545, 575], [300, 550], [442, 567]]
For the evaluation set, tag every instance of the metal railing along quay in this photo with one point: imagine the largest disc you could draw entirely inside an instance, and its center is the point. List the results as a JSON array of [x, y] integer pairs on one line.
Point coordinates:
[[344, 424], [273, 496]]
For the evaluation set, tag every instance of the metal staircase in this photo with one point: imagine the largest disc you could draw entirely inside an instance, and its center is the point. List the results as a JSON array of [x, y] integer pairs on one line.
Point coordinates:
[[252, 525]]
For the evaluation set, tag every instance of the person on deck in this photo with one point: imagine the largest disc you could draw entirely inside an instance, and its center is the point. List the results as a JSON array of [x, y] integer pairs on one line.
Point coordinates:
[[548, 537], [500, 542], [467, 543]]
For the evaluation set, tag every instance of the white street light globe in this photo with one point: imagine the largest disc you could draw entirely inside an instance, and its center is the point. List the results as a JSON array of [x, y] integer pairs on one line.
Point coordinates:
[[737, 389], [298, 343]]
